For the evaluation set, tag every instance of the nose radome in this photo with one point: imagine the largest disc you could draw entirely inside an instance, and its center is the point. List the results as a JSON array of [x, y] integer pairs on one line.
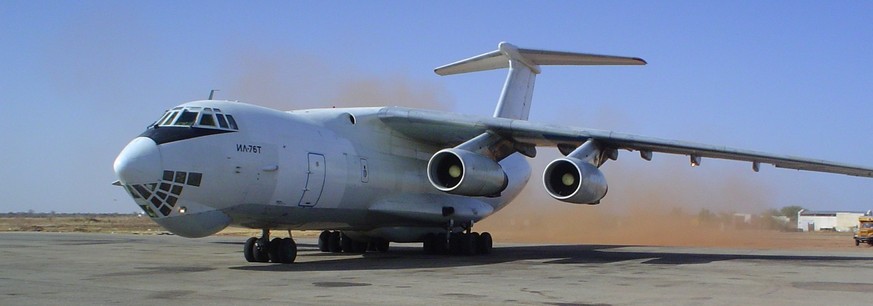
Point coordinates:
[[139, 162]]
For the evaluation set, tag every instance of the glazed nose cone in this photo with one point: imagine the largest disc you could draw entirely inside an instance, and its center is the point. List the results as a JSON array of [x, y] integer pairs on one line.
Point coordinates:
[[139, 162]]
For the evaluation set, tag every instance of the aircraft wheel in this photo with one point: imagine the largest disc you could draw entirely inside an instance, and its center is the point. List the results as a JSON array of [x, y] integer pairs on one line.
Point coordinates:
[[455, 244], [484, 243], [286, 251], [346, 243], [249, 249], [323, 241], [360, 247], [466, 244], [274, 249], [382, 245], [475, 247], [857, 242], [333, 243], [428, 243], [260, 250]]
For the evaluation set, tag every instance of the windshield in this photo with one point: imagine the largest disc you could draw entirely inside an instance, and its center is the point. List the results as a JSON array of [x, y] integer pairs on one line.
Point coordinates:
[[198, 117], [866, 224], [186, 118]]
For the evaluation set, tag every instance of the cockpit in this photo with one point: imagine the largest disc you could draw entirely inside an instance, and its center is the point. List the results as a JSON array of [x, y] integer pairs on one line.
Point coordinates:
[[194, 116], [187, 122]]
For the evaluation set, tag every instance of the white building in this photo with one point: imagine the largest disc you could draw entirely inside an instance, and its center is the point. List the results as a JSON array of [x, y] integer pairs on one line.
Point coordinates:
[[808, 220]]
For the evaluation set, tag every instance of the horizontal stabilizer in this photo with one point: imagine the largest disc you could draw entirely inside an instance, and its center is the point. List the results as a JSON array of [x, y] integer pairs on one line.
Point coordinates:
[[500, 58]]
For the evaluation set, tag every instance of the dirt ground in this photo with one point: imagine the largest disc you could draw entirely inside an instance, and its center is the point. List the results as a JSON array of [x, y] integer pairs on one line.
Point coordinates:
[[554, 227]]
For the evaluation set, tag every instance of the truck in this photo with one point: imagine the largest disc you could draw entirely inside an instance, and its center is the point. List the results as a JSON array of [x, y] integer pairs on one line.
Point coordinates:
[[865, 231]]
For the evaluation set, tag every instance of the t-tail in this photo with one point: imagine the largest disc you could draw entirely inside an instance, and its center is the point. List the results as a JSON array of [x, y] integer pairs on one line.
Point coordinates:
[[524, 65]]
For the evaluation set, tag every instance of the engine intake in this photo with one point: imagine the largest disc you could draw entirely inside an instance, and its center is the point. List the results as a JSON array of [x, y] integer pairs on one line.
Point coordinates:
[[466, 173], [574, 181]]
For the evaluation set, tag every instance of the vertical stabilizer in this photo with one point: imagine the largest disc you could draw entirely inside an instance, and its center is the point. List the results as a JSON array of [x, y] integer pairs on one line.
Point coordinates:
[[524, 65]]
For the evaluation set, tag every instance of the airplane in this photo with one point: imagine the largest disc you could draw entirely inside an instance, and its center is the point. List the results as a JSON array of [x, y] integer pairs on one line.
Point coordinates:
[[370, 176]]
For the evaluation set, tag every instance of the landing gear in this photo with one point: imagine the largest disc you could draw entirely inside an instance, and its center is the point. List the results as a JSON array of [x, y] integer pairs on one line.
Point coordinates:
[[465, 242], [280, 250], [380, 245], [336, 242], [458, 243]]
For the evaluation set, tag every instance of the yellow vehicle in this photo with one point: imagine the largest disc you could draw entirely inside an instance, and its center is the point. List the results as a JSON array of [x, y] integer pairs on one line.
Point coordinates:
[[865, 231]]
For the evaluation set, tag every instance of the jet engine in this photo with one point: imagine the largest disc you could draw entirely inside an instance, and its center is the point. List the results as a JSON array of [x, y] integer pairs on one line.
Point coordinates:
[[462, 172], [575, 181]]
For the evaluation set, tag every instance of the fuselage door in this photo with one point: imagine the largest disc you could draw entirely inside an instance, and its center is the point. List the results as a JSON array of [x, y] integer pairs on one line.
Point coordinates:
[[314, 181]]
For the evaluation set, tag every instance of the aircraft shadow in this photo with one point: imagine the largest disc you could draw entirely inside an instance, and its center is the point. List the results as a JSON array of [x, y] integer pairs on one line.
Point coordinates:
[[413, 258]]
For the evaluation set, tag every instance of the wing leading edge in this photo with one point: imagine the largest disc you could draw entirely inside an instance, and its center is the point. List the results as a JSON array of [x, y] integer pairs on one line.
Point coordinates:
[[454, 129]]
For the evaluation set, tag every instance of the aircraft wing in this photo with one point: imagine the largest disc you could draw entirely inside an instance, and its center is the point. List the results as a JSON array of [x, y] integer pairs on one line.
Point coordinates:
[[449, 129]]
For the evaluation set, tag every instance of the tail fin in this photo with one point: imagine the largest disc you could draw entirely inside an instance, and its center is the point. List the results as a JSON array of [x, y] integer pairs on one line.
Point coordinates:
[[524, 65]]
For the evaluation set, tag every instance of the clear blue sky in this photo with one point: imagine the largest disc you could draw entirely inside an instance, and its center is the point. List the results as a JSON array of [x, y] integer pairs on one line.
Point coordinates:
[[82, 78]]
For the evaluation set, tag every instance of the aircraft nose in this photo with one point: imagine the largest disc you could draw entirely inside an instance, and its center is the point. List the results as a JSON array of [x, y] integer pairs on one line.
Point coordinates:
[[139, 162]]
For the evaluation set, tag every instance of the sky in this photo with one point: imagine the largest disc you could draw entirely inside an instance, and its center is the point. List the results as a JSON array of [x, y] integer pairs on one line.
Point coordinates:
[[80, 79]]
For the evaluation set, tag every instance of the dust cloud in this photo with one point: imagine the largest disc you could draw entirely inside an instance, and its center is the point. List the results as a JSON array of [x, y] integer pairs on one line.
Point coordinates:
[[656, 203], [290, 80]]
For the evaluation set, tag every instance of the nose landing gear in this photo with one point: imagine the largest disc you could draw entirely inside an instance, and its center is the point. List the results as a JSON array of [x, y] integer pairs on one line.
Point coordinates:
[[279, 250]]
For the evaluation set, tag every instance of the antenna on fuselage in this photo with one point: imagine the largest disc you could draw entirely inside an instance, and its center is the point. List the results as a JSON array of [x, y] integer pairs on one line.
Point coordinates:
[[211, 93]]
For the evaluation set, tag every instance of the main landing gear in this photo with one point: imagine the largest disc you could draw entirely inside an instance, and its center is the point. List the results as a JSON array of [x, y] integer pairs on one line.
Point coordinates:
[[464, 243], [279, 250], [337, 242]]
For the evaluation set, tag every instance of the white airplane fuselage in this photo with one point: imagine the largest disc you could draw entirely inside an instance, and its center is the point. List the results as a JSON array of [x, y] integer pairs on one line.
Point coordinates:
[[319, 169]]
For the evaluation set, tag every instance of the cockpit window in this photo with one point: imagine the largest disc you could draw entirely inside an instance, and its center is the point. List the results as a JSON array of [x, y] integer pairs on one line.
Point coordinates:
[[207, 120], [186, 118], [169, 119], [221, 121], [200, 117], [232, 122], [164, 117]]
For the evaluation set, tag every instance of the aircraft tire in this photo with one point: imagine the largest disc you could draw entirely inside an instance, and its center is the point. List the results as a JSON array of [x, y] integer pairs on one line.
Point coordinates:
[[475, 247], [441, 246], [428, 243], [333, 243], [857, 242], [382, 245], [466, 244], [286, 251], [261, 250], [249, 249], [273, 250], [484, 243], [455, 244], [323, 241], [360, 247], [346, 244]]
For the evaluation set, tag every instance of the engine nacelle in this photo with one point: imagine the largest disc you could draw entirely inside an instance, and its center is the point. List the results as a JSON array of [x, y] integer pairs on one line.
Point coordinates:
[[466, 173], [575, 181]]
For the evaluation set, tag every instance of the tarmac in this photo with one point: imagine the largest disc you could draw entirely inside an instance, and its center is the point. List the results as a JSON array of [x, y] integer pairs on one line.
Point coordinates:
[[100, 269]]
